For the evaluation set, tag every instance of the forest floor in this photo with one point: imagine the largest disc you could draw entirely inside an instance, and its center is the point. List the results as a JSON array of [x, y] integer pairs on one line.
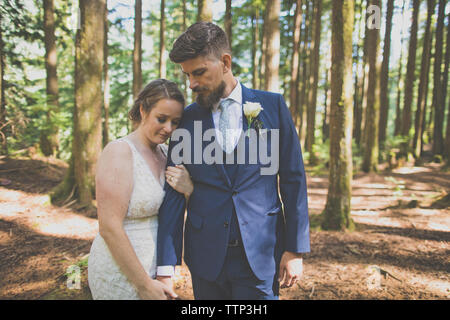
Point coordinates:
[[399, 250]]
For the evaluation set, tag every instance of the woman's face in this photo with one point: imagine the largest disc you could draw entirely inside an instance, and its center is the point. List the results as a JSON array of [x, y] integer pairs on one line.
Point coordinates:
[[162, 120]]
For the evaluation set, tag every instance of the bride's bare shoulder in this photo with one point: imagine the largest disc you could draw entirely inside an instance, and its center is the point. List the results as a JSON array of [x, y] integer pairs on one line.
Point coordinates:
[[115, 153]]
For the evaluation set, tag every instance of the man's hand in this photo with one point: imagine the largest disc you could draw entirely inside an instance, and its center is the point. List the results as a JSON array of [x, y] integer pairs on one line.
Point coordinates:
[[169, 283], [291, 268]]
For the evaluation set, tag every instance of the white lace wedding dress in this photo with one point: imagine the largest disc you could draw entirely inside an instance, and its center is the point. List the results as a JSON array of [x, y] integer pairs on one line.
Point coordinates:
[[106, 281]]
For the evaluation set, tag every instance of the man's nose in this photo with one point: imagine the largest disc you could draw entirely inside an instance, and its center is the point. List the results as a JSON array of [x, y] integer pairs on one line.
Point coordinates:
[[192, 83]]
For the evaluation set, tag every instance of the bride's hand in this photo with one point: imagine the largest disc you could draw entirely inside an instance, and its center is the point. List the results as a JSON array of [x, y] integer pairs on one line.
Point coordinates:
[[155, 290], [179, 179]]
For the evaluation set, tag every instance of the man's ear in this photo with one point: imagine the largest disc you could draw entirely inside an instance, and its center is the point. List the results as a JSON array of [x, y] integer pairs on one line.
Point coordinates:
[[226, 60]]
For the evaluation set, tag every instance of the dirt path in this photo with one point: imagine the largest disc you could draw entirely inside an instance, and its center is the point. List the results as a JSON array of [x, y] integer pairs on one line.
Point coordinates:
[[400, 249]]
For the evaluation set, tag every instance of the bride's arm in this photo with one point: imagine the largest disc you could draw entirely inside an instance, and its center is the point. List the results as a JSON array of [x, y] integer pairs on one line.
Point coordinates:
[[114, 184]]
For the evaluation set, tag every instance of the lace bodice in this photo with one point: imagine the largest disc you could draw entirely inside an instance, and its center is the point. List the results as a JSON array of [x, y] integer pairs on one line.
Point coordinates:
[[148, 193]]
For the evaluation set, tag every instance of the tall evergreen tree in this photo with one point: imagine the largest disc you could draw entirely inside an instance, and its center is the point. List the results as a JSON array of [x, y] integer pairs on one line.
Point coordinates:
[[295, 59], [3, 136], [372, 112], [272, 31], [400, 81], [438, 90], [106, 83], [162, 47], [204, 10], [410, 70], [384, 77], [137, 51], [87, 127], [313, 82], [49, 135], [423, 82], [228, 22], [336, 215]]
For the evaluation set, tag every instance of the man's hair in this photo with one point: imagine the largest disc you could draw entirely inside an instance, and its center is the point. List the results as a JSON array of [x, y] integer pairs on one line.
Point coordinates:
[[200, 39]]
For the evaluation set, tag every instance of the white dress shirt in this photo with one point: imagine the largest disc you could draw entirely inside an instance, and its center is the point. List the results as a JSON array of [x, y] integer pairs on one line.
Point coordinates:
[[235, 128], [234, 113]]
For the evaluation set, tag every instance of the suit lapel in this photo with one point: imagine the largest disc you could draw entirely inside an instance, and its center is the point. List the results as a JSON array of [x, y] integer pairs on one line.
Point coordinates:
[[247, 96]]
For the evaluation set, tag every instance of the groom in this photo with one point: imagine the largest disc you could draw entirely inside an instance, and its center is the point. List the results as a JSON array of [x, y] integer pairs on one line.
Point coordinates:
[[241, 240]]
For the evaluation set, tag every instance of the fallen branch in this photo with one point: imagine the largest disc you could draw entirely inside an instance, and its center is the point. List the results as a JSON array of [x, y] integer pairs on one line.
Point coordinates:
[[24, 168]]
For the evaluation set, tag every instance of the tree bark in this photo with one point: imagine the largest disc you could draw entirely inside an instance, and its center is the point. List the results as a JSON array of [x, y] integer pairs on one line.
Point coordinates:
[[370, 158], [337, 210], [313, 83], [438, 90], [359, 79], [106, 84], [87, 114], [3, 125], [185, 91], [49, 135], [295, 59], [410, 70], [137, 51], [423, 83], [447, 61], [204, 10], [306, 70], [162, 47], [272, 31], [398, 109], [384, 77], [327, 104], [228, 22], [255, 40]]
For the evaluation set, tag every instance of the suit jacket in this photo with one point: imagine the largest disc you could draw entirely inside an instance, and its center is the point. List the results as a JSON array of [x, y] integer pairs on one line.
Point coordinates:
[[268, 225]]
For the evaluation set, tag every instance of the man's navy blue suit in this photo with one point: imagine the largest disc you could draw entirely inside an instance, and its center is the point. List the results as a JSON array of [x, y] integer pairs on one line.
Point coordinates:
[[236, 200]]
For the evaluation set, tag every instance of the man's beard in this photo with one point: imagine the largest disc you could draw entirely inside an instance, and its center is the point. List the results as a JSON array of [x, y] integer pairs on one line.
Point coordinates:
[[207, 101]]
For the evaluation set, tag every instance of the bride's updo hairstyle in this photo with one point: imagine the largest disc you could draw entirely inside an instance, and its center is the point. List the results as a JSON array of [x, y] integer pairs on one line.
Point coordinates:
[[153, 92]]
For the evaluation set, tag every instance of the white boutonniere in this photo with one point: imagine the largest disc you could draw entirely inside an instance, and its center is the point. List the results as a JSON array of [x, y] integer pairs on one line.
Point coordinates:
[[251, 111]]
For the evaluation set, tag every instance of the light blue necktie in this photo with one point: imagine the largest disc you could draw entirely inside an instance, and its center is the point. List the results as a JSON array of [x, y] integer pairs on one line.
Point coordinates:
[[224, 124]]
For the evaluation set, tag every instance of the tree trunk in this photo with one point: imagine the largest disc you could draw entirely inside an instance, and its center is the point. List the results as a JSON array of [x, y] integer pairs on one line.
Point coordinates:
[[446, 70], [162, 48], [313, 83], [410, 70], [398, 109], [295, 59], [384, 77], [423, 83], [438, 90], [49, 135], [205, 10], [255, 40], [106, 85], [327, 104], [337, 210], [137, 52], [3, 125], [306, 54], [228, 22], [370, 158], [272, 31], [364, 86], [185, 91], [87, 115], [359, 79]]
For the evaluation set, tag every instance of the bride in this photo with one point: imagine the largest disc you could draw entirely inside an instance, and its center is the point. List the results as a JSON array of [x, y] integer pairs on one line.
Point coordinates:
[[129, 192]]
